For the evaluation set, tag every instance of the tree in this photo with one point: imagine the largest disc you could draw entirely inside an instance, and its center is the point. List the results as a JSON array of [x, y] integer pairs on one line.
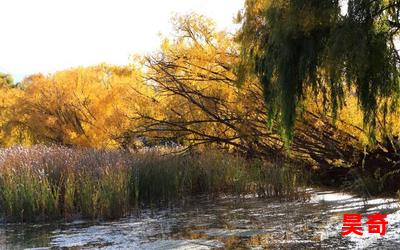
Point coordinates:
[[296, 45], [82, 106], [6, 80], [10, 93], [198, 103], [196, 97]]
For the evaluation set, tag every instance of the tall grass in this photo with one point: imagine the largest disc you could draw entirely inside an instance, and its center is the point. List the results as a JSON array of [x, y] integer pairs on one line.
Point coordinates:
[[43, 183], [367, 183]]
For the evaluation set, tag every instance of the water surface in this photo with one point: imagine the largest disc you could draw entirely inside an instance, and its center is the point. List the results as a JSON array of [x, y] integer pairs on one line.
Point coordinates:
[[226, 222]]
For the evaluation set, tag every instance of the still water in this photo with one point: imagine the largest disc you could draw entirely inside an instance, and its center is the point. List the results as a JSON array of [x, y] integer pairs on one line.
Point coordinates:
[[223, 223]]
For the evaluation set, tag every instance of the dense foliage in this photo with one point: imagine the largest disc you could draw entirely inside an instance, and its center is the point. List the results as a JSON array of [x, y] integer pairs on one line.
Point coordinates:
[[187, 93], [329, 46]]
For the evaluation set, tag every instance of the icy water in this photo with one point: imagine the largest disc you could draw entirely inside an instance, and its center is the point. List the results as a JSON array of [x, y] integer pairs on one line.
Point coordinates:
[[225, 223]]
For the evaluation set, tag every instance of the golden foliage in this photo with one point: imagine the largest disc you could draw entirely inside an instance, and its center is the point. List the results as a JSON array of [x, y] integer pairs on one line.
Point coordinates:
[[185, 93], [81, 106]]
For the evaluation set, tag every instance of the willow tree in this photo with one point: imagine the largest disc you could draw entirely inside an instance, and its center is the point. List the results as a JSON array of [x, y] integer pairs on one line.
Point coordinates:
[[332, 47]]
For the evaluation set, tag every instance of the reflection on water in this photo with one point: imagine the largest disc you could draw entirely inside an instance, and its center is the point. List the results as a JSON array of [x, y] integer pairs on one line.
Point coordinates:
[[218, 224]]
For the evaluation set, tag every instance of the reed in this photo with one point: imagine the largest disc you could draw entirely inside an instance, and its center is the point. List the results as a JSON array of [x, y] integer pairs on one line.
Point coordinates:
[[45, 183]]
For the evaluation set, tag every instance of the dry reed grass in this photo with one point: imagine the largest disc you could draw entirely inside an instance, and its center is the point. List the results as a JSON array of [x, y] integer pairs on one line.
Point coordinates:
[[45, 183]]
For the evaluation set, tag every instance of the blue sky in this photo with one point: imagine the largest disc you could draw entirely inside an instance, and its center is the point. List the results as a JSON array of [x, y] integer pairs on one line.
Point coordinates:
[[50, 35]]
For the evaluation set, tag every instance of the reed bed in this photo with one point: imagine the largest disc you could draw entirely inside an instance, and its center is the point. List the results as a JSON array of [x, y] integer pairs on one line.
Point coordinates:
[[50, 183]]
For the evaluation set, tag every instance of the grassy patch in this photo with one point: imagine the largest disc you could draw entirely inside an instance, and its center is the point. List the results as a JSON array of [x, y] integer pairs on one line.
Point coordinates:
[[43, 183]]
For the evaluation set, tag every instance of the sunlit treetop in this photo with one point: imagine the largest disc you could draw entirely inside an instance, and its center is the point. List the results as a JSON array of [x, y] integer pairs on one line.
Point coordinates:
[[6, 80]]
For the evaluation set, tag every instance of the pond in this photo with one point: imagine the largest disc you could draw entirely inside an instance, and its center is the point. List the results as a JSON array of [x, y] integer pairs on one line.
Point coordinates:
[[226, 222]]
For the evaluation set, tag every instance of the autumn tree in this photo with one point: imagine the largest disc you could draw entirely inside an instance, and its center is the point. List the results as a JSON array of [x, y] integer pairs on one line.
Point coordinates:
[[198, 102], [10, 131], [82, 106], [6, 80]]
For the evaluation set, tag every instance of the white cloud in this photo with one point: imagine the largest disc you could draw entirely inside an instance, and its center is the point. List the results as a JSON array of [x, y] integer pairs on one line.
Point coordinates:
[[49, 35]]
